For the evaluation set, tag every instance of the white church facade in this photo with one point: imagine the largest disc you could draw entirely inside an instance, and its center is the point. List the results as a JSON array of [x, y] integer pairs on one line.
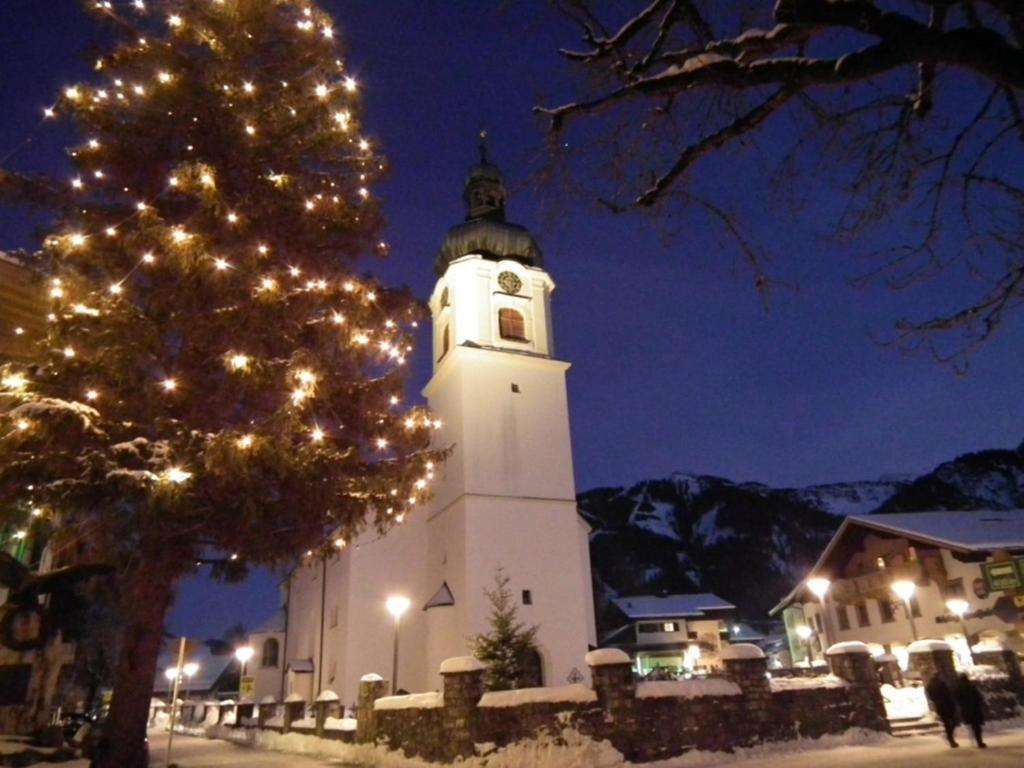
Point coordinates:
[[505, 496]]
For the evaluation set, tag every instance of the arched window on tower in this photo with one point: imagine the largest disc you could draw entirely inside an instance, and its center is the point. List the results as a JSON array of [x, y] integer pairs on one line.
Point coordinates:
[[511, 324], [270, 652]]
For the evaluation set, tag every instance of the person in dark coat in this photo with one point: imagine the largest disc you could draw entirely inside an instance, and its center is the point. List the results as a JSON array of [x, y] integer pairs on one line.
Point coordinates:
[[944, 704], [972, 706]]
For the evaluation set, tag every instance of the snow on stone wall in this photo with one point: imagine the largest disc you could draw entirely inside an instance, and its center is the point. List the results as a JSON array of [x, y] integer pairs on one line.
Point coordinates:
[[430, 700], [687, 689], [569, 693]]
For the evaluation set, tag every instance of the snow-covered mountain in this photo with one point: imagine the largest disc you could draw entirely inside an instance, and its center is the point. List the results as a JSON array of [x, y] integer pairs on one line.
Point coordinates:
[[750, 542]]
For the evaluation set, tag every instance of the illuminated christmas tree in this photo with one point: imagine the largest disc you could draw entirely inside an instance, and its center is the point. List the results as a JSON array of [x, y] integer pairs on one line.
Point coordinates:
[[217, 384]]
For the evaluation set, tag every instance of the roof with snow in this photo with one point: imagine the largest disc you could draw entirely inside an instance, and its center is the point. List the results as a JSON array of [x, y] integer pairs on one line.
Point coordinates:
[[667, 606], [975, 531]]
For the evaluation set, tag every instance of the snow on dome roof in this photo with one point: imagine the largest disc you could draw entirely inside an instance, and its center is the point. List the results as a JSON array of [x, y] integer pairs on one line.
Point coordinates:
[[327, 695], [460, 664], [741, 651], [228, 703], [370, 677], [293, 698], [850, 646], [268, 699], [604, 656], [668, 606], [924, 646]]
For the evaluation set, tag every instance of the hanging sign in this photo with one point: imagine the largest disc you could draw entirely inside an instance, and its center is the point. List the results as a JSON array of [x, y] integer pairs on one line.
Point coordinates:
[[1002, 575], [247, 687]]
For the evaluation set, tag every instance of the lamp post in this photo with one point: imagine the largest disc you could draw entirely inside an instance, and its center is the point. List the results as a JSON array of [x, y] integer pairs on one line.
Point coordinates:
[[243, 655], [171, 673], [805, 633], [189, 670], [905, 589], [958, 607], [819, 586], [396, 605]]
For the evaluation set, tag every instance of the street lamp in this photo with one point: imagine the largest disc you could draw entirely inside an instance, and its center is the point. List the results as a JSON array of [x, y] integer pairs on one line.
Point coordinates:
[[819, 586], [958, 607], [805, 633], [189, 670], [396, 605], [243, 655], [905, 589]]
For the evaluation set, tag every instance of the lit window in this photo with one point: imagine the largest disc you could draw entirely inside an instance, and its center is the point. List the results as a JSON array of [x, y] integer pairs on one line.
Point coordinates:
[[511, 325]]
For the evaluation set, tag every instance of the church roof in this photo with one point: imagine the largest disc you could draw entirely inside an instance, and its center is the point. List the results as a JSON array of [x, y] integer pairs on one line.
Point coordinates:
[[670, 606], [485, 231]]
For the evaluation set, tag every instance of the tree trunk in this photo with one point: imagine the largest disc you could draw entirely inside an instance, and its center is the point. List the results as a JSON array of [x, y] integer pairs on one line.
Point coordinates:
[[146, 596]]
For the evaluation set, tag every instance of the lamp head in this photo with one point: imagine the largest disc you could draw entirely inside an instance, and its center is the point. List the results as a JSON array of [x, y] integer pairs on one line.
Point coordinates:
[[190, 669], [904, 589], [244, 653], [957, 606], [171, 672], [819, 586], [397, 605], [804, 632]]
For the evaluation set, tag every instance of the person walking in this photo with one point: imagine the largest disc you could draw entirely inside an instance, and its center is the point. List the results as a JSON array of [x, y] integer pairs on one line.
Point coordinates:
[[944, 704], [972, 706]]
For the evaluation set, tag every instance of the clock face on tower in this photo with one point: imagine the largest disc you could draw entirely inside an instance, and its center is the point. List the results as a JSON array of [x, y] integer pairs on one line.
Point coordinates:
[[509, 282]]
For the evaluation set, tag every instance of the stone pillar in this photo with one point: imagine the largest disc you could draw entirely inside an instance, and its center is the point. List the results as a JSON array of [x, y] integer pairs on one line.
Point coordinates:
[[612, 673], [293, 710], [852, 662], [746, 666], [888, 668], [933, 657], [463, 678], [371, 688], [267, 710]]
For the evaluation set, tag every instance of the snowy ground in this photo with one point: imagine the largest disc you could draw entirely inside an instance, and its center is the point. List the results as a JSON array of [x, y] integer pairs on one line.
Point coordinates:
[[1006, 748]]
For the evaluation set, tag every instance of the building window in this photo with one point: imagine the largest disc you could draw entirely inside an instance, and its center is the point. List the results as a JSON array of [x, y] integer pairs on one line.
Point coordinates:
[[515, 388], [649, 627], [817, 623], [915, 607], [885, 609], [527, 597], [445, 343], [270, 652], [863, 620], [511, 324], [669, 626], [444, 297], [843, 617], [953, 588]]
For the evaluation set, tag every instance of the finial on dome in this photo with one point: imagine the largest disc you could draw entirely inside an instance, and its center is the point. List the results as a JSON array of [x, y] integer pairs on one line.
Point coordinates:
[[483, 146]]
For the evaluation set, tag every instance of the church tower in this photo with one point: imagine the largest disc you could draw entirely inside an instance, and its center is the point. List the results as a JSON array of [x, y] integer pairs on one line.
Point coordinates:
[[506, 496]]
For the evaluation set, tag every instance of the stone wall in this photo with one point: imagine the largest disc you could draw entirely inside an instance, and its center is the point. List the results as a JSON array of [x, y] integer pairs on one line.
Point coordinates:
[[1001, 684], [644, 721]]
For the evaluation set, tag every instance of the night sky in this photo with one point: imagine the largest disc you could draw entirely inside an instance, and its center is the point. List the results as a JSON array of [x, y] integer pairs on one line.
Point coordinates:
[[677, 364]]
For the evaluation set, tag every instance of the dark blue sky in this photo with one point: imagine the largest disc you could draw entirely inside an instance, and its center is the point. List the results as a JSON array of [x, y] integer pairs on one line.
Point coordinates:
[[676, 363]]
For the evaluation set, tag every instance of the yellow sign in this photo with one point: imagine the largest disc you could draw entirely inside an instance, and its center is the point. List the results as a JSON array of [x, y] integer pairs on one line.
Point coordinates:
[[247, 687]]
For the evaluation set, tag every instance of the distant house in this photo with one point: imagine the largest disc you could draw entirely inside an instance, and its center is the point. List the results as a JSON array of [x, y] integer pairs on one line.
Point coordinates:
[[971, 562], [674, 633]]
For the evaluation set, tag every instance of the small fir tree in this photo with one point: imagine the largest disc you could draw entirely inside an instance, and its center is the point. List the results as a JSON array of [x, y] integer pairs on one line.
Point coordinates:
[[217, 384], [508, 646]]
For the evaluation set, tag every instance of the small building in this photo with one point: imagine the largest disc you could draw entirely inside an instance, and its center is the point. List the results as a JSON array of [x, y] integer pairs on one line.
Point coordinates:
[[674, 634], [887, 579]]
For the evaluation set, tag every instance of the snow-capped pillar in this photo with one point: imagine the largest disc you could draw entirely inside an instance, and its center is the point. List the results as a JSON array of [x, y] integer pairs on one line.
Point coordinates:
[[852, 662], [294, 708], [1002, 658], [325, 703], [463, 678], [268, 708], [371, 688], [933, 657], [746, 665], [611, 671]]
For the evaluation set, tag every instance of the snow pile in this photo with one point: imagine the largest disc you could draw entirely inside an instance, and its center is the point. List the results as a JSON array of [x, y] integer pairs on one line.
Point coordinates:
[[461, 664], [429, 700], [305, 722], [340, 724], [850, 646], [370, 677], [327, 695], [275, 722], [230, 718], [687, 689], [268, 699], [926, 646], [604, 656], [566, 693], [904, 703], [989, 645], [292, 698], [805, 683], [741, 651], [987, 672]]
